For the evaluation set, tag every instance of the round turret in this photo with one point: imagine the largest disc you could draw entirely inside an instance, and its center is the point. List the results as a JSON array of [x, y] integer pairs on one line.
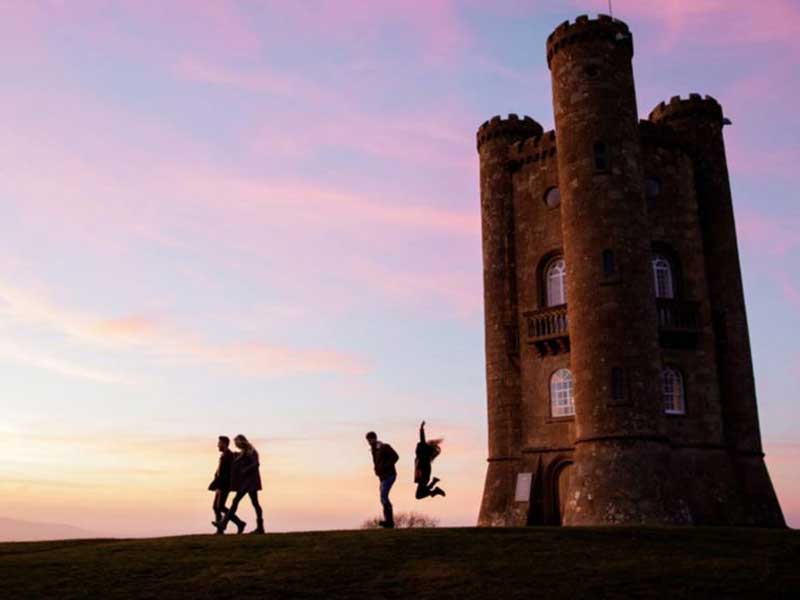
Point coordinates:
[[495, 138], [620, 457], [695, 106], [511, 128], [584, 29]]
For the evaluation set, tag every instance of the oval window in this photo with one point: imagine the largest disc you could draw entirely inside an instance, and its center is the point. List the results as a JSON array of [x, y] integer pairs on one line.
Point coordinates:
[[552, 197]]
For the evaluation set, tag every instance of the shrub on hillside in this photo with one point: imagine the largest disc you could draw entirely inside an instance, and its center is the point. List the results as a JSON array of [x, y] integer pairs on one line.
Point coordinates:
[[404, 520]]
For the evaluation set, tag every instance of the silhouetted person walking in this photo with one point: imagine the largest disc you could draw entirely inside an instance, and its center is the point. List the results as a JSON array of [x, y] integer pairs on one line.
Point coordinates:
[[384, 458], [426, 452], [245, 481], [221, 485]]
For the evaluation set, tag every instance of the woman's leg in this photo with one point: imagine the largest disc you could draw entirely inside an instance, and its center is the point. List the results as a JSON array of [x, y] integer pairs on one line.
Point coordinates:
[[259, 513], [422, 491], [254, 500]]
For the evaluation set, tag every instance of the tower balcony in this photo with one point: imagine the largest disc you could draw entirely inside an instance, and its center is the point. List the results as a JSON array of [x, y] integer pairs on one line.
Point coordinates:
[[678, 322], [548, 330]]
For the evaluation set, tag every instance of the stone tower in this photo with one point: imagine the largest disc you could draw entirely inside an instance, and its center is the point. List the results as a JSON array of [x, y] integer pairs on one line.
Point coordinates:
[[619, 380]]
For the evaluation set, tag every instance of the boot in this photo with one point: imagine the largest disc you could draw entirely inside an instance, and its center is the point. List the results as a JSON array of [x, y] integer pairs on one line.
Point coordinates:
[[388, 517], [438, 492], [433, 483], [259, 526], [240, 525], [221, 525]]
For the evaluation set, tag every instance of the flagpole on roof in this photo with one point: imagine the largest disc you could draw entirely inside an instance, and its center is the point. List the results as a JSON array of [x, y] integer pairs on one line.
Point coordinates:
[[610, 9]]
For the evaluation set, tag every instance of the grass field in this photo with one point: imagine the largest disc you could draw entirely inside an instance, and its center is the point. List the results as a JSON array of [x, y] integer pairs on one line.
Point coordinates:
[[425, 563]]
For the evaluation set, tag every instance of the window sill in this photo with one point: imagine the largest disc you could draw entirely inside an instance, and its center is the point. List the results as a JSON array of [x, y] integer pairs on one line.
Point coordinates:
[[566, 419]]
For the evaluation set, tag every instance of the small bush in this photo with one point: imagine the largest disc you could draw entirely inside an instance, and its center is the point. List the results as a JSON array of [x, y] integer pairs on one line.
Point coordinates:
[[404, 520]]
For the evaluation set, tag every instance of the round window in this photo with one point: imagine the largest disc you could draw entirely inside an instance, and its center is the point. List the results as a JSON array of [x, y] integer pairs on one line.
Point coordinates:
[[552, 197]]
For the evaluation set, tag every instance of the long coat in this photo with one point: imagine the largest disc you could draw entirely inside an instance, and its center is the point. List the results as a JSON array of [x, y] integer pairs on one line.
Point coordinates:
[[245, 475]]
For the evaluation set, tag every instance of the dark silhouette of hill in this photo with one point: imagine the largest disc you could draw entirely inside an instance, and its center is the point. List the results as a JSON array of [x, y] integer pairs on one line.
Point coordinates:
[[12, 530], [421, 563]]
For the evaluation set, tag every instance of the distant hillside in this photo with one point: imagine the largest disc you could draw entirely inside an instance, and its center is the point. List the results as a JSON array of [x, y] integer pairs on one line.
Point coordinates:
[[419, 564], [12, 530]]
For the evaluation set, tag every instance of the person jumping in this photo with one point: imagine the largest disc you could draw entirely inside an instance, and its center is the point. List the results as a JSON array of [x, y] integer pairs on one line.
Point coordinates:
[[426, 453]]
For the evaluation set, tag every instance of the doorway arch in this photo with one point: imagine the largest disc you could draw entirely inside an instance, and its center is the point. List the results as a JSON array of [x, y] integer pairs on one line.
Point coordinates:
[[562, 475]]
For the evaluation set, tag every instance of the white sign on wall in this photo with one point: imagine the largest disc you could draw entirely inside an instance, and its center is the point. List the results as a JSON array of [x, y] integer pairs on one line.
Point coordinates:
[[523, 492]]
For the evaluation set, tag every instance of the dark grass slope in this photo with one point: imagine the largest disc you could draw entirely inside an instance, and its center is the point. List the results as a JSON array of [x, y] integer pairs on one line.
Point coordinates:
[[431, 563]]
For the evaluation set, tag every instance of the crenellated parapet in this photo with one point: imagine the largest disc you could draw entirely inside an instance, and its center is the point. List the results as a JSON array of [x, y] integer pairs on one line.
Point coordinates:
[[512, 128], [584, 28], [539, 148], [695, 106]]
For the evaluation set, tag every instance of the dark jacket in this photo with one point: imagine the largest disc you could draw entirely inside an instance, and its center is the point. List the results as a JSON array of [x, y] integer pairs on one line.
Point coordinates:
[[222, 477], [425, 453], [384, 458], [245, 476]]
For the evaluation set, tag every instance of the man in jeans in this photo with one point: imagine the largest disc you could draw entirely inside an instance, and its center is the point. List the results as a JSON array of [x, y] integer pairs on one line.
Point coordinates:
[[384, 458], [221, 484]]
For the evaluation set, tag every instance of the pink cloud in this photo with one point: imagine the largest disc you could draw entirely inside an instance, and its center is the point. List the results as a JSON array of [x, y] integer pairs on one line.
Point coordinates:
[[332, 118], [772, 235], [160, 340], [261, 81], [45, 360], [711, 22], [773, 241], [434, 26]]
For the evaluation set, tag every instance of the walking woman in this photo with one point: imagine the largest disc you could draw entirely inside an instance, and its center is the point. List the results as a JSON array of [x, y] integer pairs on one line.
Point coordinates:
[[426, 452], [245, 481]]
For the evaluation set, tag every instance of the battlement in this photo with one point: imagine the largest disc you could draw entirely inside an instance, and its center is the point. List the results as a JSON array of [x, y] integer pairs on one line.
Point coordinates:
[[584, 28], [540, 147], [694, 106], [512, 126]]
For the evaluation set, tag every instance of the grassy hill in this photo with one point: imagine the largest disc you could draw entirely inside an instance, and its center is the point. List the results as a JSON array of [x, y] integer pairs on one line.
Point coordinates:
[[431, 563]]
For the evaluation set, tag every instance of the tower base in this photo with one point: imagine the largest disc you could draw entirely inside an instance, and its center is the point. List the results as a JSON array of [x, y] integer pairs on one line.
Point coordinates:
[[624, 482], [498, 508]]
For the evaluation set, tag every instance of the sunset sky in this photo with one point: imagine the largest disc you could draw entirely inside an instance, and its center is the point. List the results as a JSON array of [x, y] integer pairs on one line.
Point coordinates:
[[263, 217]]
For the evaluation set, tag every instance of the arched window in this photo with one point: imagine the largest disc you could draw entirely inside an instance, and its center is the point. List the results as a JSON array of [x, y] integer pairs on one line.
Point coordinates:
[[555, 281], [662, 273], [561, 403], [672, 391]]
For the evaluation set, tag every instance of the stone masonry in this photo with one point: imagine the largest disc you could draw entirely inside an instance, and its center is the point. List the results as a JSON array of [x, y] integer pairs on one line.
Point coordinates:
[[619, 378]]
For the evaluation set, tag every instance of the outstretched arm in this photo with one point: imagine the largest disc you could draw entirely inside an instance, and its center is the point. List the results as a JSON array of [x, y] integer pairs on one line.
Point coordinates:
[[422, 432]]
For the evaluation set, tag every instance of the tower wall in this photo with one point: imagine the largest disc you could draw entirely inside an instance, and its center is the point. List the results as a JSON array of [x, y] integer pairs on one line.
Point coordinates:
[[538, 239], [547, 441], [621, 473], [700, 463], [699, 122], [500, 313]]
